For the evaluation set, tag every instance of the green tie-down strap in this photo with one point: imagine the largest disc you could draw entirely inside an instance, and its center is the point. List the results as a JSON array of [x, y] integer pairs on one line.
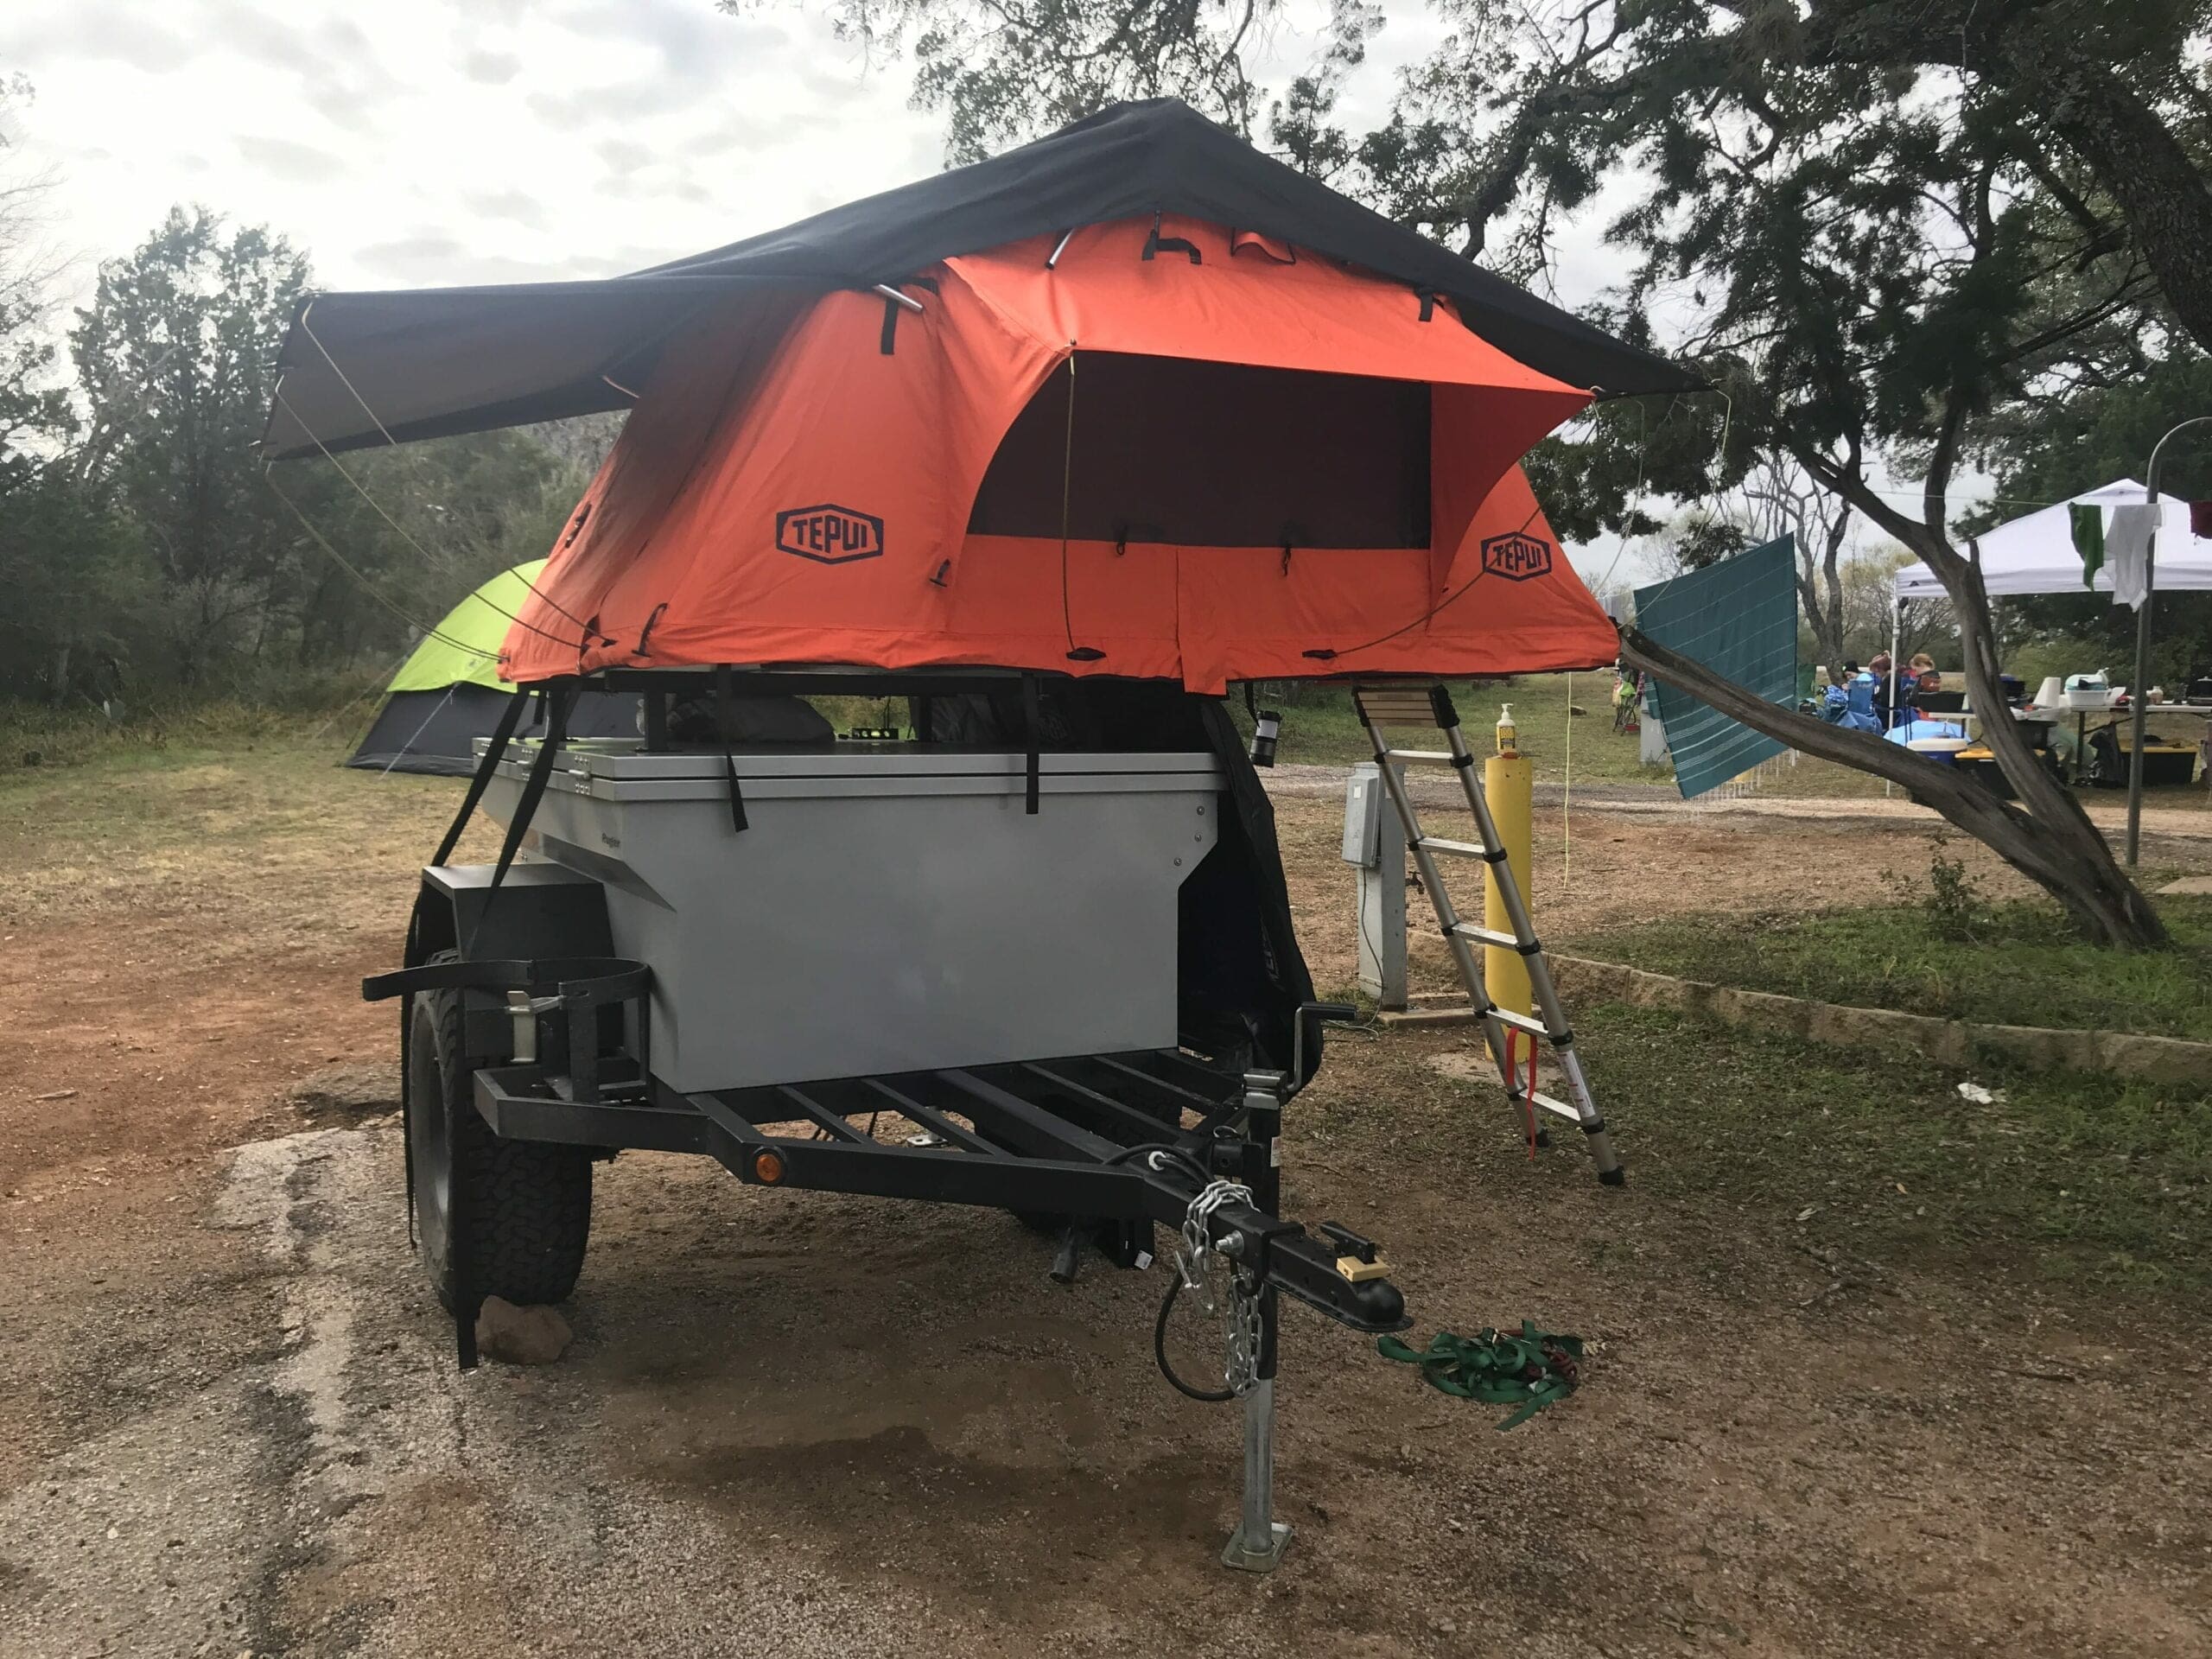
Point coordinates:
[[1531, 1369]]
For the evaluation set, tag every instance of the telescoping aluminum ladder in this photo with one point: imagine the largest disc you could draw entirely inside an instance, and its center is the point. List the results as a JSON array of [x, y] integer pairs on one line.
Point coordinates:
[[1428, 705]]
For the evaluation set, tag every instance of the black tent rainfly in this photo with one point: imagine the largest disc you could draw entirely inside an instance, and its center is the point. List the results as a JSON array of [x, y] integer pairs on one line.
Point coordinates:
[[432, 362]]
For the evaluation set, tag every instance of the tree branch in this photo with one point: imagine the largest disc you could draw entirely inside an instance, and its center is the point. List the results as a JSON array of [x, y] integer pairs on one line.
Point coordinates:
[[2104, 905]]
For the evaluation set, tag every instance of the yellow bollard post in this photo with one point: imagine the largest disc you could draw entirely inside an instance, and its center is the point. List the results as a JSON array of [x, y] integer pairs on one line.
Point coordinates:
[[1508, 783]]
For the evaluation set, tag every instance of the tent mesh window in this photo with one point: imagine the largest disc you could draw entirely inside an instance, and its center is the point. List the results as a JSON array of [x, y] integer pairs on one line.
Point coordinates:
[[1213, 455]]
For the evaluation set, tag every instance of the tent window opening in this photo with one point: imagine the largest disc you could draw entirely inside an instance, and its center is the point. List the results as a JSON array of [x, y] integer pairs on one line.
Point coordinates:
[[1214, 454]]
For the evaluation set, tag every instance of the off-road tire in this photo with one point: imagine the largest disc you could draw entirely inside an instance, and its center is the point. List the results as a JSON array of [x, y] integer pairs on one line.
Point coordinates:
[[528, 1203]]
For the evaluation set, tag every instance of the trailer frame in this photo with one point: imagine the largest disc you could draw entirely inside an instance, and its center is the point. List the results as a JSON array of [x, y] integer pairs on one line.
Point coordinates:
[[554, 1048]]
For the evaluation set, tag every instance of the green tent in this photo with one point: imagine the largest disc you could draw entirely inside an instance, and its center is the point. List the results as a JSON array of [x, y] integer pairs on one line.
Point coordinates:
[[449, 692], [464, 648]]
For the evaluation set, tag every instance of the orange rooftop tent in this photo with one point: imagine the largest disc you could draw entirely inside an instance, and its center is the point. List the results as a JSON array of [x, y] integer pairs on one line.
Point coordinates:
[[1133, 400]]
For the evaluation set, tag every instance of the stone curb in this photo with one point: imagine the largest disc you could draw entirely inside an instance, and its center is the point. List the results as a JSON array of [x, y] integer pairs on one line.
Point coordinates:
[[1947, 1042]]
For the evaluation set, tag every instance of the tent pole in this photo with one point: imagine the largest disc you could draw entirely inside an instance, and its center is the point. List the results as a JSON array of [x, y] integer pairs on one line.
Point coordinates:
[[2137, 693], [1897, 644], [2137, 696]]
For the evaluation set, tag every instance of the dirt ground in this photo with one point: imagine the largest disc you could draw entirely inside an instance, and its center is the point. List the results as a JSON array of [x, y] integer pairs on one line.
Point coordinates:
[[793, 1423]]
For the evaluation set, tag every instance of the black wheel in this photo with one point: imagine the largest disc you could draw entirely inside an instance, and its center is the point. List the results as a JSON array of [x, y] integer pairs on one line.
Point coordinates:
[[528, 1204]]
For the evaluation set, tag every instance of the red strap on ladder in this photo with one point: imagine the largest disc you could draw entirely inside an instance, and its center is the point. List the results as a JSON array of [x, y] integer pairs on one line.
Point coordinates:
[[1528, 1094]]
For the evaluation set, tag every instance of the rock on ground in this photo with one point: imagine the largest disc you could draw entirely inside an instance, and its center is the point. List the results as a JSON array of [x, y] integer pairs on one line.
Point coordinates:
[[520, 1336]]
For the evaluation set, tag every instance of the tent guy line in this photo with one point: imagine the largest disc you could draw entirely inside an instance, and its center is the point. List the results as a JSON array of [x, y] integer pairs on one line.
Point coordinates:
[[368, 587], [306, 327], [436, 563]]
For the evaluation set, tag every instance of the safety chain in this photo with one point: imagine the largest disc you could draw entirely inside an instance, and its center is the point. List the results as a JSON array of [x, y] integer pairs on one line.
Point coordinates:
[[1241, 1311], [1246, 1336]]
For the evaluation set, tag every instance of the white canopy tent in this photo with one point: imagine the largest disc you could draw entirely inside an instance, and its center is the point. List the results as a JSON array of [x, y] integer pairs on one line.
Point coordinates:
[[2035, 554]]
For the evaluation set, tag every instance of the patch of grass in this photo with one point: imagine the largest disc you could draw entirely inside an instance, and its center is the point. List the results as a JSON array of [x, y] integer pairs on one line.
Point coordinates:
[[34, 738], [189, 823], [1320, 727], [2068, 1177], [1951, 956]]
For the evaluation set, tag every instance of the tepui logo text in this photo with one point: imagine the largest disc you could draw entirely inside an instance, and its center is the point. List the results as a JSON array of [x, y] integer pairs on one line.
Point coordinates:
[[829, 534]]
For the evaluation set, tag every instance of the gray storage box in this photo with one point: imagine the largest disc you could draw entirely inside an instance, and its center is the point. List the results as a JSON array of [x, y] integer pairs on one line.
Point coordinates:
[[890, 907]]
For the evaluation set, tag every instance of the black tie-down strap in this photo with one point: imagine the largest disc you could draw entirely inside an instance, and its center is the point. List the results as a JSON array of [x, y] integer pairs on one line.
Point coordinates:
[[726, 724], [561, 698], [581, 986], [411, 952], [494, 752], [1156, 243], [1031, 724], [888, 342]]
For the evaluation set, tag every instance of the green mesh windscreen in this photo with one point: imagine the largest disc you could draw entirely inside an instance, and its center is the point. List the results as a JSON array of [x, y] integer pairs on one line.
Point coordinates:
[[1739, 619]]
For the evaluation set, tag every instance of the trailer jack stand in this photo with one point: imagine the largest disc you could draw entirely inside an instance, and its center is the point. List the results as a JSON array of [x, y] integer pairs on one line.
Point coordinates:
[[1257, 1544]]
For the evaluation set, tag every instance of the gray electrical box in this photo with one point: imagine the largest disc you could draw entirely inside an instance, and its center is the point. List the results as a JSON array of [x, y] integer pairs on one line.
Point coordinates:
[[1382, 886], [1363, 818]]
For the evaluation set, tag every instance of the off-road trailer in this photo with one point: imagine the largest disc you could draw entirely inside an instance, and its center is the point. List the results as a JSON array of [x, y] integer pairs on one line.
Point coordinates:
[[1054, 932], [548, 1003]]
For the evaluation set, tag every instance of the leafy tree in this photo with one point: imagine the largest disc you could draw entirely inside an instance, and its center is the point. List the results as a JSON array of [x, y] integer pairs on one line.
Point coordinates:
[[321, 561], [176, 359], [35, 413], [1701, 539], [64, 553], [140, 543]]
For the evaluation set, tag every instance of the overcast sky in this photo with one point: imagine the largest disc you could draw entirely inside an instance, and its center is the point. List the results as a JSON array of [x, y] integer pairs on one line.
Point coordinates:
[[412, 142], [407, 143]]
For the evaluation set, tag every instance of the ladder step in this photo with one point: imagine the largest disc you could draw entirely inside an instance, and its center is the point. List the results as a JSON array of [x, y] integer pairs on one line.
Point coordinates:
[[1463, 848], [1398, 705], [1422, 757], [1488, 936], [1521, 1023], [1556, 1108]]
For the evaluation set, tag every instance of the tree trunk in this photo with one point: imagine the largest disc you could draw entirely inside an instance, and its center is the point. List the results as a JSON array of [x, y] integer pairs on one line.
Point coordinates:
[[2062, 853], [1824, 610]]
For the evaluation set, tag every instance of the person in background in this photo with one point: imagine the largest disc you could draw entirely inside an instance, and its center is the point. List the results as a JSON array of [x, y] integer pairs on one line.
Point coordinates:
[[1858, 691], [1919, 679], [1880, 668]]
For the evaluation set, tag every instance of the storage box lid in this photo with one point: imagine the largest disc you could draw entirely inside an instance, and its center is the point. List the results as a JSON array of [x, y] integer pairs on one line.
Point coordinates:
[[618, 770], [624, 759]]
